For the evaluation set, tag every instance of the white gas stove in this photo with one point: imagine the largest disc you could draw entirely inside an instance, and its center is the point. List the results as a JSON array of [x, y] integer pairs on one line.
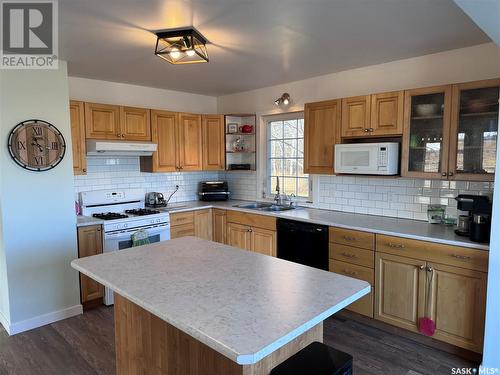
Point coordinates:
[[124, 214]]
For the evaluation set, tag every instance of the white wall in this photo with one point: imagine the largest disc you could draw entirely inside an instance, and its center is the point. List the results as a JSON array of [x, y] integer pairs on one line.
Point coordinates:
[[140, 96], [39, 236], [491, 348], [460, 65]]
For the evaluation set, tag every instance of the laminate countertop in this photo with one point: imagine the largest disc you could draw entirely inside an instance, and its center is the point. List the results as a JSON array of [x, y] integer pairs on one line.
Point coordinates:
[[255, 306], [406, 228]]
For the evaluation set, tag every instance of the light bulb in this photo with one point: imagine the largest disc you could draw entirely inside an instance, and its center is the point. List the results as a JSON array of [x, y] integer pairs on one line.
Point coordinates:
[[174, 53], [285, 101], [190, 52]]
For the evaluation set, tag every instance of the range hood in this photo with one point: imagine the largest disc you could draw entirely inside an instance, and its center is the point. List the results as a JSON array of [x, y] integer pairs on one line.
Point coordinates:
[[119, 148]]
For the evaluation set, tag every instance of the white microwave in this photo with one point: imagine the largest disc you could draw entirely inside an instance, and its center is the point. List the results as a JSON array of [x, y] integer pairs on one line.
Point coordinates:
[[367, 158]]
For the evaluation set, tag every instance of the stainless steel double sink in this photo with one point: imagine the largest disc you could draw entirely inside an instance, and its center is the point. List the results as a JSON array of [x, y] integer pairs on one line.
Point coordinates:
[[262, 206]]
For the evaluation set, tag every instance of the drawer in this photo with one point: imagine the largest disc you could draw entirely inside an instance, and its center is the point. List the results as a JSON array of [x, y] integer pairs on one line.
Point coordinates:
[[259, 221], [182, 230], [182, 218], [432, 252], [355, 238], [364, 305], [353, 255], [352, 270]]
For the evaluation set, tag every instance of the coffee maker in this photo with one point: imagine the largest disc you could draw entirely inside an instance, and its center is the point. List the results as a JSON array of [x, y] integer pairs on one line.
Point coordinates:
[[476, 224]]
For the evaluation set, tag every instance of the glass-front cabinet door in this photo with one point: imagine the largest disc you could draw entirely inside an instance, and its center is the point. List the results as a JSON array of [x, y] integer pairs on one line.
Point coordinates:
[[474, 130], [426, 132]]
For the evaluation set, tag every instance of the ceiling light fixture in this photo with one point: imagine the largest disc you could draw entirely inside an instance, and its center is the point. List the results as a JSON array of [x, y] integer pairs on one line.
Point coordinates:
[[181, 46], [283, 99]]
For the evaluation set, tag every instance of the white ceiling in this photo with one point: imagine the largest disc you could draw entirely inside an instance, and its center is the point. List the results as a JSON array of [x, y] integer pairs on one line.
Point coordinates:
[[254, 43]]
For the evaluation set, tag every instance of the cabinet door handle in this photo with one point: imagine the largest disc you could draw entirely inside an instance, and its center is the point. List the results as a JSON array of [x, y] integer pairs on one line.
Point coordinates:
[[395, 245], [371, 129], [430, 269], [347, 255], [366, 130], [444, 174], [84, 170], [461, 257], [450, 174], [350, 273], [348, 238], [422, 267]]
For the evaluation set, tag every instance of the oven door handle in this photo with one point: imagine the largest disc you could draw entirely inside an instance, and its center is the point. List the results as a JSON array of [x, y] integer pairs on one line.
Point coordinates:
[[151, 231]]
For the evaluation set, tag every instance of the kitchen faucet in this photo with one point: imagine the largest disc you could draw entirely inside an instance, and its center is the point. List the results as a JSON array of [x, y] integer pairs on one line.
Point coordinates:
[[279, 198]]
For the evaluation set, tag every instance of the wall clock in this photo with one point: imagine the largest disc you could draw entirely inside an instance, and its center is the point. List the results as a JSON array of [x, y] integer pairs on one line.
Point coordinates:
[[36, 145]]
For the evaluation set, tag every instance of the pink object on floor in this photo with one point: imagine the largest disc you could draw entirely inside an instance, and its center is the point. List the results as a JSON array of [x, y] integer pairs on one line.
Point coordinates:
[[427, 326]]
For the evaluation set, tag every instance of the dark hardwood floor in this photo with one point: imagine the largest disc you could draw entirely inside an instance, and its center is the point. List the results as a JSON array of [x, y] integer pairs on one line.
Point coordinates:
[[85, 345]]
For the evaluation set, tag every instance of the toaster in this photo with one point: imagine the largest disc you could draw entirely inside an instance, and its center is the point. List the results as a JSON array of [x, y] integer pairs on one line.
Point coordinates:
[[213, 191]]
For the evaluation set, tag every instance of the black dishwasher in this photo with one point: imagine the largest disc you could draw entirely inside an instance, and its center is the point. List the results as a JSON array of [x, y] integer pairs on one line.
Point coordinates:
[[303, 243]]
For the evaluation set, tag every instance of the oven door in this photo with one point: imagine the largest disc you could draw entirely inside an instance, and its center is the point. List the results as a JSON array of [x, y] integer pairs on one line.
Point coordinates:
[[356, 158], [120, 240]]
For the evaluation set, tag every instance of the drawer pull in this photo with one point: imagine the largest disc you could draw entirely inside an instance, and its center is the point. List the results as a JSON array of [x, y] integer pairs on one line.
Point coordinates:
[[349, 238], [461, 257], [395, 245], [347, 255], [350, 273]]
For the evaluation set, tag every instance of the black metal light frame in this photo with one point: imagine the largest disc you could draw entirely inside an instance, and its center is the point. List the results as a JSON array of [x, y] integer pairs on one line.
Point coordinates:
[[190, 37]]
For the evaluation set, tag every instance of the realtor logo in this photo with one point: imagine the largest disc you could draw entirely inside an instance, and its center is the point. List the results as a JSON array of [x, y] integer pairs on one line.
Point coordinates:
[[29, 34]]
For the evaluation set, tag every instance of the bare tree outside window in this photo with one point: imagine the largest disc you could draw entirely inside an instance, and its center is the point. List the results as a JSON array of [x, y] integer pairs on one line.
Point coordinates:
[[286, 157]]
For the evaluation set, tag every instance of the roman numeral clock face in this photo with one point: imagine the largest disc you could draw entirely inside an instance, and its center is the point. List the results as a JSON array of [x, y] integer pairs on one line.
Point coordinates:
[[36, 145]]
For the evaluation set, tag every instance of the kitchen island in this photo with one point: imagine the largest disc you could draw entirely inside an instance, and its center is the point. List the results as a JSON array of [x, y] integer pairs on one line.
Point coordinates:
[[190, 306]]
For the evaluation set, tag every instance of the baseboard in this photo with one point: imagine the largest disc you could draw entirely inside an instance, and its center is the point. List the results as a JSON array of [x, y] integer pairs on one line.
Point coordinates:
[[45, 319], [5, 322]]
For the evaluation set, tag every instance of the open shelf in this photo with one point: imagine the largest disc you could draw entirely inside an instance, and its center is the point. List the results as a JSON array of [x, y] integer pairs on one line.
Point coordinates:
[[247, 141], [479, 114], [419, 118]]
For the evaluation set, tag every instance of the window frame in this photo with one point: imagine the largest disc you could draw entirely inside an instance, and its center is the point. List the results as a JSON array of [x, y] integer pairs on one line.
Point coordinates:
[[268, 188]]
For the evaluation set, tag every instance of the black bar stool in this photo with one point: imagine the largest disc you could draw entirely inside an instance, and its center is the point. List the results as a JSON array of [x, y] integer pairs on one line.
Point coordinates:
[[316, 359]]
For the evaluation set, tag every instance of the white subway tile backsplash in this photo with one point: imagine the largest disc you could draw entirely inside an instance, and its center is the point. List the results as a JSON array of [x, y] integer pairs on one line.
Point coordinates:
[[395, 197], [398, 197]]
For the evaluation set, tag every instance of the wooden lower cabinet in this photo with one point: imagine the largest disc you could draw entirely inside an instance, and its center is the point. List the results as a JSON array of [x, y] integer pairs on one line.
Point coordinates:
[[239, 235], [457, 305], [250, 238], [455, 298], [191, 223], [364, 305], [219, 222], [203, 224], [89, 243], [400, 290], [263, 241]]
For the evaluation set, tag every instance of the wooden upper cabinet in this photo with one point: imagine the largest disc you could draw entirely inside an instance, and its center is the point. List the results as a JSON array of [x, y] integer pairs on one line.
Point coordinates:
[[77, 118], [135, 124], [457, 305], [426, 132], [474, 128], [89, 243], [321, 132], [106, 121], [356, 116], [386, 114], [190, 142], [102, 121], [164, 134], [213, 142]]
